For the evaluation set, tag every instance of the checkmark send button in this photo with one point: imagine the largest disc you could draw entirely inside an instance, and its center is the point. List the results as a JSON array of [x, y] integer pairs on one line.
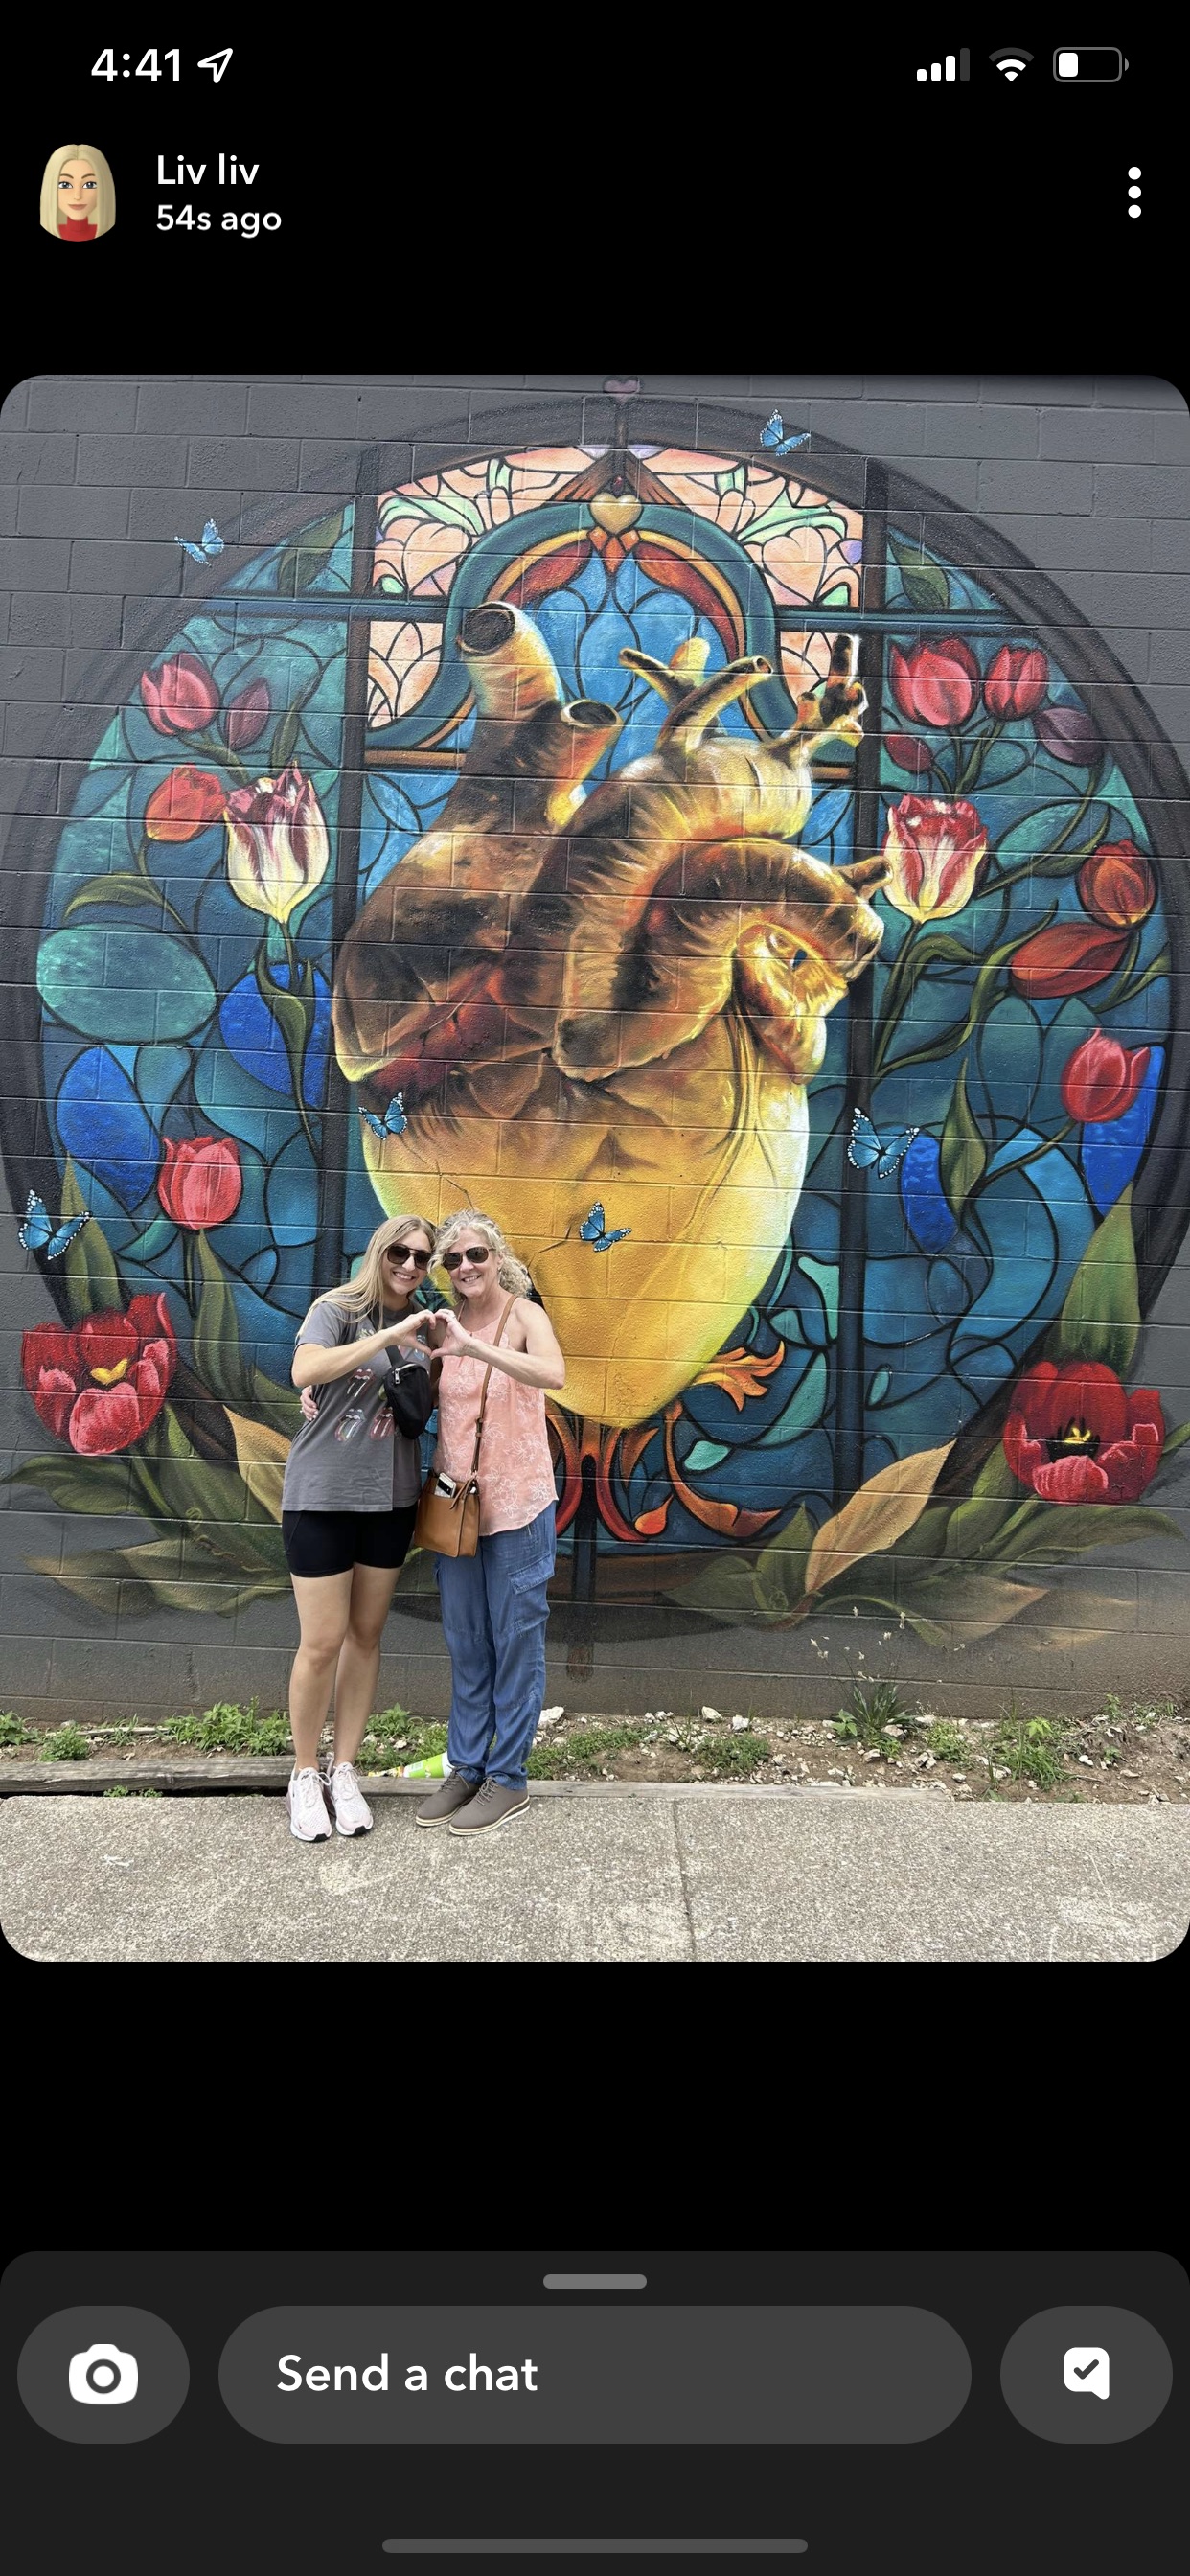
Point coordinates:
[[1086, 2367]]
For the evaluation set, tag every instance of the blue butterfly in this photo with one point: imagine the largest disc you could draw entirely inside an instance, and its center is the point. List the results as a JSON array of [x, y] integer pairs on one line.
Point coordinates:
[[867, 1147], [38, 1232], [210, 543], [394, 1121], [773, 435], [593, 1229]]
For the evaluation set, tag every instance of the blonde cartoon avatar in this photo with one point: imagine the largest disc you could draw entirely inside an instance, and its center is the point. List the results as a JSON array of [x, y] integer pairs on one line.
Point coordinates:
[[78, 197]]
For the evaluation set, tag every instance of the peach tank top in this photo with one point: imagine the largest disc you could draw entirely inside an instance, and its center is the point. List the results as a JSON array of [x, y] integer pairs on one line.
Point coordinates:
[[516, 1473]]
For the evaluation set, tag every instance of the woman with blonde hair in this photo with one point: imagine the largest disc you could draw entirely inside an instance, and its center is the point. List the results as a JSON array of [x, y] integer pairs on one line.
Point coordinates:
[[78, 196], [494, 1606], [348, 1506]]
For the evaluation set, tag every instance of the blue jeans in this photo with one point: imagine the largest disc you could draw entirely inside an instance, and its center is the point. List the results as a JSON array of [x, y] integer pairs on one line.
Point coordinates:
[[494, 1612]]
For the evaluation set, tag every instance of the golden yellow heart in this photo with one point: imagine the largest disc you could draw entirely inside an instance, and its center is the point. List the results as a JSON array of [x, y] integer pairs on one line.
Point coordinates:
[[615, 515]]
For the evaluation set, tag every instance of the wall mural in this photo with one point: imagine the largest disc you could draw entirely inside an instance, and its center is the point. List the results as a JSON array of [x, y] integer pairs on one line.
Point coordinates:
[[731, 895]]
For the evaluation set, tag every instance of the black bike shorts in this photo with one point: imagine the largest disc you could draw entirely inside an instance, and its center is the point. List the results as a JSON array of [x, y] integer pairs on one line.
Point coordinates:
[[332, 1542]]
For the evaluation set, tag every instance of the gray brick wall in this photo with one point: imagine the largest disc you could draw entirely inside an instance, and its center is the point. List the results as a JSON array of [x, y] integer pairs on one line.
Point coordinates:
[[1086, 476]]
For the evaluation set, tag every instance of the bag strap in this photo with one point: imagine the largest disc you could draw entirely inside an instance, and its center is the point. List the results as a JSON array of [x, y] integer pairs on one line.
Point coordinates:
[[483, 1401]]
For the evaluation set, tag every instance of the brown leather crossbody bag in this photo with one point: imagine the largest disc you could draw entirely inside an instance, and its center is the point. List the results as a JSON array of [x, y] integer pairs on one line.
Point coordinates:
[[448, 1514]]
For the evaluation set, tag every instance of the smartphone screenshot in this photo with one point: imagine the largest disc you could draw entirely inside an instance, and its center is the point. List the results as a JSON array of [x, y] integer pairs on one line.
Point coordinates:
[[594, 1041], [845, 2409]]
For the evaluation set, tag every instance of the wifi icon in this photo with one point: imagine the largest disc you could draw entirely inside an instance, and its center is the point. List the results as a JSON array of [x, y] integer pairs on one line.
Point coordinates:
[[1011, 60]]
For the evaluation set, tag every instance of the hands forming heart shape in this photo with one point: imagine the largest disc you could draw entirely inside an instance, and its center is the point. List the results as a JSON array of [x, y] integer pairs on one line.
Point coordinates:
[[617, 997]]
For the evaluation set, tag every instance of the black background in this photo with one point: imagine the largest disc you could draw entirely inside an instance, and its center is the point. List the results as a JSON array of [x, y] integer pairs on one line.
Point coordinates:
[[203, 2495], [579, 177]]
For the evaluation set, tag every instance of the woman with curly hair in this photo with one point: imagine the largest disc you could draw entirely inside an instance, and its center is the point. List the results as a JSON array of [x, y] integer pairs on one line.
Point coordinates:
[[494, 1606]]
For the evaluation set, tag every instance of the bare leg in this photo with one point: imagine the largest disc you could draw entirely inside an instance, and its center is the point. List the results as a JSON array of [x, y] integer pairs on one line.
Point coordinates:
[[324, 1604], [359, 1655]]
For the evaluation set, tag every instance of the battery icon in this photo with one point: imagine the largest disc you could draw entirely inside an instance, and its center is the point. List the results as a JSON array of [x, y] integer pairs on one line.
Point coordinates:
[[1089, 63]]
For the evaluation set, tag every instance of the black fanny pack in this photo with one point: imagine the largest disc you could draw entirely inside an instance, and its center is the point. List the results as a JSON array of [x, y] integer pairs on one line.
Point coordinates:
[[411, 1398]]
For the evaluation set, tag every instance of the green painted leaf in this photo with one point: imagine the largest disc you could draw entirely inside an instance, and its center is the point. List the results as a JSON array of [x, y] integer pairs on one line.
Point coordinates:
[[217, 1356], [705, 1453], [279, 1406], [926, 584], [284, 740], [92, 1282], [980, 1603], [308, 555], [805, 1405], [963, 1153], [1101, 1317], [123, 886], [995, 1476], [926, 1537], [78, 1484], [124, 984], [972, 1525], [1070, 1528], [781, 1566], [293, 1013], [726, 1591]]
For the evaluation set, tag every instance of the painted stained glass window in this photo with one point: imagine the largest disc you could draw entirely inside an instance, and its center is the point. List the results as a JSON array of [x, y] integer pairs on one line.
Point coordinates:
[[742, 908]]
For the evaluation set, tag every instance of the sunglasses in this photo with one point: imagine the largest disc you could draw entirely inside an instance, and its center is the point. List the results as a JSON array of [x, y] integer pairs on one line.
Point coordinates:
[[475, 1252], [400, 1254]]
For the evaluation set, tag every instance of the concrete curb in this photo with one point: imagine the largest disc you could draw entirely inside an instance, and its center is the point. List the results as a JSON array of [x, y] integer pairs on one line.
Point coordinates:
[[226, 1771]]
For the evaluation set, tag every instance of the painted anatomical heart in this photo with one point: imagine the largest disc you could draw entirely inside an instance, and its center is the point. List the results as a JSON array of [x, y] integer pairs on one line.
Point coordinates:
[[613, 1001]]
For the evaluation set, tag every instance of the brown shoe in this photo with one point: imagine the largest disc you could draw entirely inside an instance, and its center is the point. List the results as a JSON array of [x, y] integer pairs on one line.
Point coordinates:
[[446, 1801], [493, 1804]]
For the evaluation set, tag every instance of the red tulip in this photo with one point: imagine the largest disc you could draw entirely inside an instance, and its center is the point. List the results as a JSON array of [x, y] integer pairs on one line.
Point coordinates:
[[935, 684], [1016, 682], [247, 715], [102, 1384], [935, 850], [1075, 1437], [180, 696], [1065, 959], [1102, 1078], [199, 1184], [185, 803], [1117, 884], [909, 752]]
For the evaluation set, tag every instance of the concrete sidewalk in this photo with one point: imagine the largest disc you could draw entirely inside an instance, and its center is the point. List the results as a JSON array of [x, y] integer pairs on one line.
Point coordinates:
[[598, 1872]]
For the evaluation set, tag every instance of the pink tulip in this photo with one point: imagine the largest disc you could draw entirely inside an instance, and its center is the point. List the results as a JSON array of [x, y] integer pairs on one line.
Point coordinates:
[[180, 696], [277, 843], [935, 850]]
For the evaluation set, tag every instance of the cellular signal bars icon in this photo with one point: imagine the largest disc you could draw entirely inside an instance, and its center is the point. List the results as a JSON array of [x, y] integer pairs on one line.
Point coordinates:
[[946, 69]]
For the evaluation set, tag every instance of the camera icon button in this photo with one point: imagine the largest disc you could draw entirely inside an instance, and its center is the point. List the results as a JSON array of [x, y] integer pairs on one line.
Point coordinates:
[[103, 2374]]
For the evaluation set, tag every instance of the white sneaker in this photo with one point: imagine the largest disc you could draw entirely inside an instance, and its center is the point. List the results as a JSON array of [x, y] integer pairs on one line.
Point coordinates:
[[306, 1799], [352, 1815]]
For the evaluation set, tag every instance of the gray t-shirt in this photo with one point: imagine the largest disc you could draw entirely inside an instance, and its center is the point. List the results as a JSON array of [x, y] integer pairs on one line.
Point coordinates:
[[352, 1458]]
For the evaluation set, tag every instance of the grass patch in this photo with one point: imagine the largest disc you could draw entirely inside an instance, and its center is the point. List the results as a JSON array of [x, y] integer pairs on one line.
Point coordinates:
[[1029, 1748], [867, 1714], [64, 1744], [947, 1742], [735, 1755], [227, 1728], [584, 1750], [1140, 1713], [396, 1738], [12, 1731]]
